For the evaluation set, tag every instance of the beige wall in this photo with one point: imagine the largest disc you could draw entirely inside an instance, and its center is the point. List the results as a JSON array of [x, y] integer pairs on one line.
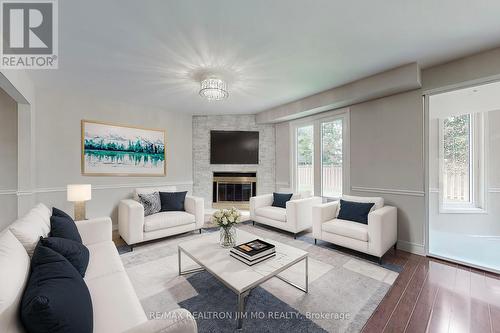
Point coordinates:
[[472, 69], [381, 165], [58, 139], [387, 159], [8, 159]]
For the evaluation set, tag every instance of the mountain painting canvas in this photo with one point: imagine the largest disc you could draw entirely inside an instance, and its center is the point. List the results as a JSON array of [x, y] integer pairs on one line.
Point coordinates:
[[113, 150]]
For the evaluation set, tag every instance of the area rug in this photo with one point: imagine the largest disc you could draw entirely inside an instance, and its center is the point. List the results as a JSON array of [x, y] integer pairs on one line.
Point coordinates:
[[344, 288]]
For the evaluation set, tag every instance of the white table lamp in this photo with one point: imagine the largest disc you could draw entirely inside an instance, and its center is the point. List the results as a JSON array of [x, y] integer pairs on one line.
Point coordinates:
[[78, 194]]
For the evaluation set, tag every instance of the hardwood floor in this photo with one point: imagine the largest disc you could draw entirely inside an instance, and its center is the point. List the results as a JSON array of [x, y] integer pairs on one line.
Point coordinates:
[[432, 295]]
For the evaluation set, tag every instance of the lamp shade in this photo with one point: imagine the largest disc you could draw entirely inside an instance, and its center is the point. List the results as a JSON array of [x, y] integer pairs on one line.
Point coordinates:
[[79, 192]]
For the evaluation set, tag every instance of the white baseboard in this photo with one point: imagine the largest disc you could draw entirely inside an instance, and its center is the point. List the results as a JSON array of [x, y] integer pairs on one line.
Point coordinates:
[[414, 248]]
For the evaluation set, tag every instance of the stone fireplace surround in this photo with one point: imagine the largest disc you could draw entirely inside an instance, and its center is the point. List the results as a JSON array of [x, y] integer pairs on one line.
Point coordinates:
[[203, 171]]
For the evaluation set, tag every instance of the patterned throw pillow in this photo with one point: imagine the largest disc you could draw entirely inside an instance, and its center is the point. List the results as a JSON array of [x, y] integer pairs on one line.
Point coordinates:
[[151, 203]]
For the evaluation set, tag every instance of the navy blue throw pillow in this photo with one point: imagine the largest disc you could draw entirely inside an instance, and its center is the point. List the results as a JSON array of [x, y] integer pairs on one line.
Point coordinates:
[[76, 253], [56, 298], [64, 228], [60, 213], [172, 201], [355, 211], [280, 199]]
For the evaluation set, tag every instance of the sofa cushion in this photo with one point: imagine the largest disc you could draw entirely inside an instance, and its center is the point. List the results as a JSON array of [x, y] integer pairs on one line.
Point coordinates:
[[76, 253], [147, 190], [16, 263], [273, 213], [163, 220], [172, 201], [355, 211], [347, 229], [104, 260], [280, 199], [116, 306], [56, 298], [29, 228], [64, 228]]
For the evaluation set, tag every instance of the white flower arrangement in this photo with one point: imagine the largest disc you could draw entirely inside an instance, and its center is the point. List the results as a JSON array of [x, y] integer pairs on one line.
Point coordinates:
[[226, 218]]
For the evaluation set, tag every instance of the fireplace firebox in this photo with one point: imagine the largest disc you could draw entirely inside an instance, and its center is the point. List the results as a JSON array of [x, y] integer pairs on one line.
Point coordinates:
[[233, 189]]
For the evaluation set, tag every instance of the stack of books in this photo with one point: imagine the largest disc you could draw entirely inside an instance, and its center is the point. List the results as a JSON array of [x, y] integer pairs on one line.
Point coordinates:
[[253, 252]]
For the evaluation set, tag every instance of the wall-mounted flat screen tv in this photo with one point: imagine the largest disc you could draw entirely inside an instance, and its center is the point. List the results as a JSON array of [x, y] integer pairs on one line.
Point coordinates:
[[234, 147]]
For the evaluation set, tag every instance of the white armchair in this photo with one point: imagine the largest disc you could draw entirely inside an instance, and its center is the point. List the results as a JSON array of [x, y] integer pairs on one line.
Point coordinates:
[[374, 238], [135, 228], [295, 218]]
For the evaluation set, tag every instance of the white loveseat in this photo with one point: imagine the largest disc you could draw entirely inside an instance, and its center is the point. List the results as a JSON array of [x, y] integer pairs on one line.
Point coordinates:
[[115, 304], [374, 238], [135, 228], [296, 217]]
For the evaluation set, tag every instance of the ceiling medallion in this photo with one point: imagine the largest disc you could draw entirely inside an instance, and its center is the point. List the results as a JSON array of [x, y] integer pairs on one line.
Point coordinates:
[[213, 89]]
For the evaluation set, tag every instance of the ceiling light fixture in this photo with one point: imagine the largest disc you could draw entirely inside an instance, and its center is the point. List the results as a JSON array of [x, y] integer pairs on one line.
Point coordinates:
[[213, 89]]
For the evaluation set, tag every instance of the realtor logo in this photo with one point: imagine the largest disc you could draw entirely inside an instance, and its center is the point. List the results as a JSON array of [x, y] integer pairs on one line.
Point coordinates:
[[29, 31]]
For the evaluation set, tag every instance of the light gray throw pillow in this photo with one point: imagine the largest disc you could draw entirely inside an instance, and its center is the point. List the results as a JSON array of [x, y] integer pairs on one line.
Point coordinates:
[[151, 203]]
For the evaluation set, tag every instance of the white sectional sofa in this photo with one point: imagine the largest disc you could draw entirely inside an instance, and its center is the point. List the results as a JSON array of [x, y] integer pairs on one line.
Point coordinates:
[[135, 228], [295, 218], [374, 238], [116, 307]]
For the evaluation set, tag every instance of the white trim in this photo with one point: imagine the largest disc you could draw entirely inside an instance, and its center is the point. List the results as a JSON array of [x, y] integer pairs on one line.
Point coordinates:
[[464, 263], [411, 247], [283, 183], [8, 192], [494, 190], [434, 190], [388, 191], [102, 187]]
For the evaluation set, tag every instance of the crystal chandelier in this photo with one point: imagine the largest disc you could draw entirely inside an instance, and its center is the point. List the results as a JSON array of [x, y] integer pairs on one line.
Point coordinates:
[[214, 89]]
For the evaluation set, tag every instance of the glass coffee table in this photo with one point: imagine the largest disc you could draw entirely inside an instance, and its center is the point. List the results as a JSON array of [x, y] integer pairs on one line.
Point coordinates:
[[237, 276]]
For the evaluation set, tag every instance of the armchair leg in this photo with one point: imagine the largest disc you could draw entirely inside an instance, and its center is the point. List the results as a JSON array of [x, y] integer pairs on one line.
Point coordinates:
[[253, 222], [131, 247], [395, 247], [200, 231], [315, 241], [380, 261], [294, 236]]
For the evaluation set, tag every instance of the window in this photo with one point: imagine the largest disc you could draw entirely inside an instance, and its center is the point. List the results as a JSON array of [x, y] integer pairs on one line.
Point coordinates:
[[331, 158], [320, 163], [461, 162], [305, 159]]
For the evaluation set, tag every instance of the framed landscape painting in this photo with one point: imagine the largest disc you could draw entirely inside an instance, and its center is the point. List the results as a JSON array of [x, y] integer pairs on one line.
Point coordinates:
[[114, 150]]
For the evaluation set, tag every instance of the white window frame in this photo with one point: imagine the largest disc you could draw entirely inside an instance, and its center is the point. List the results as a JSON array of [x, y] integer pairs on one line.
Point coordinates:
[[316, 121], [295, 155], [477, 167]]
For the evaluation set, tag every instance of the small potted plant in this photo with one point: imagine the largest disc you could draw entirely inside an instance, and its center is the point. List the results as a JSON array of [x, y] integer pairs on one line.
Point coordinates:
[[226, 219]]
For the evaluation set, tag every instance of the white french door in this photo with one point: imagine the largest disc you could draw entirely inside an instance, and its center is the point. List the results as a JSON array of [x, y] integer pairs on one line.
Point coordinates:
[[321, 155]]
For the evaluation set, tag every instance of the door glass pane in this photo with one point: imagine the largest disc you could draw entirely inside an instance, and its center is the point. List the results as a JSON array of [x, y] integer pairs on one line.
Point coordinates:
[[457, 158], [331, 158], [305, 157]]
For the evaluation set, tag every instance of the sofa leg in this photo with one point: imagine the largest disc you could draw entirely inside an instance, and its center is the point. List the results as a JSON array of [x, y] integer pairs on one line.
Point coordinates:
[[315, 241], [253, 222], [200, 231], [131, 247], [294, 236], [380, 261], [395, 247]]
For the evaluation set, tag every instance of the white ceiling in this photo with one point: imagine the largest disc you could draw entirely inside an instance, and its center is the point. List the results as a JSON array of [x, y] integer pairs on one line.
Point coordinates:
[[271, 51]]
